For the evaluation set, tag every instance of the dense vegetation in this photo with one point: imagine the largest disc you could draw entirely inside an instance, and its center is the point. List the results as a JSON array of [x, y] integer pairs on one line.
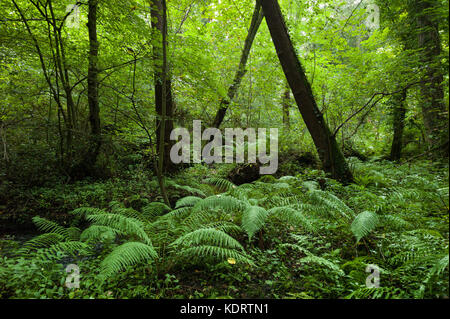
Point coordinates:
[[91, 93]]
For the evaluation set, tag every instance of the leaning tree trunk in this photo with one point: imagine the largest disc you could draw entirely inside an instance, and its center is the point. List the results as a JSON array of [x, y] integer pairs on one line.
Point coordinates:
[[232, 90], [94, 109], [162, 83], [432, 91], [286, 98], [331, 156], [399, 114]]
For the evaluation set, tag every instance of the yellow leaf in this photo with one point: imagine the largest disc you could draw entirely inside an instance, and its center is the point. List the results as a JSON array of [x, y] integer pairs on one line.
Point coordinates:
[[231, 261]]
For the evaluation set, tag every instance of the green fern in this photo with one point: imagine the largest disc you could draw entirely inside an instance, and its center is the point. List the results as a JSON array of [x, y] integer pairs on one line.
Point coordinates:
[[209, 236], [222, 184], [126, 225], [363, 224], [187, 201], [126, 255], [293, 217], [253, 219]]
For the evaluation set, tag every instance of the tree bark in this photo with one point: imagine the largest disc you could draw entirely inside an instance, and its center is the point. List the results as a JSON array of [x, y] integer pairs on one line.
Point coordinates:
[[330, 154], [399, 114], [286, 104], [433, 107], [232, 90], [92, 79], [162, 83]]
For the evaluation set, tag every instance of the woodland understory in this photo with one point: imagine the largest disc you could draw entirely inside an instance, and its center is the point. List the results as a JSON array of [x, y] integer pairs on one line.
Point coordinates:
[[357, 209]]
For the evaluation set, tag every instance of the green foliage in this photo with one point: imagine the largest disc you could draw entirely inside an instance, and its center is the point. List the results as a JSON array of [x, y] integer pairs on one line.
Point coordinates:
[[305, 246], [364, 223], [126, 255], [253, 219]]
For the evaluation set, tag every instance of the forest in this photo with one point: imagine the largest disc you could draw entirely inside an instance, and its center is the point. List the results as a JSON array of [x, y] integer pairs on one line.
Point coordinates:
[[224, 149]]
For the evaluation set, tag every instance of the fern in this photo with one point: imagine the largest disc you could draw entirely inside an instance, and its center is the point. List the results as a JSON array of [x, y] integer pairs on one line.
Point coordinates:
[[126, 255], [155, 209], [322, 262], [331, 204], [126, 225], [188, 201], [209, 243], [253, 219], [363, 224], [209, 236], [214, 252], [96, 233], [40, 241], [226, 203], [48, 226], [293, 217], [221, 183]]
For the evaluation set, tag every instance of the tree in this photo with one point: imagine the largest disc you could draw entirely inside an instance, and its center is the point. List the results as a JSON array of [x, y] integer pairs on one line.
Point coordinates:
[[424, 12], [399, 113], [59, 65], [93, 101], [163, 85], [286, 99], [331, 156], [163, 94], [232, 90]]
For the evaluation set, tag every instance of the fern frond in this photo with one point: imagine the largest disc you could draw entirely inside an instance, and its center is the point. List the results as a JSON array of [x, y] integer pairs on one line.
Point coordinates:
[[187, 201], [41, 241], [363, 224], [395, 222], [48, 226], [226, 203], [125, 225], [222, 184], [322, 262], [331, 202], [98, 233], [70, 247], [155, 209], [293, 216], [217, 253], [85, 211], [253, 219], [126, 255], [208, 236], [186, 188]]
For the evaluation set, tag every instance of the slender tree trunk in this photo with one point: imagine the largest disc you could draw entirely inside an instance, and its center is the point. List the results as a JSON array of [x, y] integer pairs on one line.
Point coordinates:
[[61, 75], [94, 108], [399, 113], [333, 160], [286, 98], [232, 90], [162, 80], [433, 107]]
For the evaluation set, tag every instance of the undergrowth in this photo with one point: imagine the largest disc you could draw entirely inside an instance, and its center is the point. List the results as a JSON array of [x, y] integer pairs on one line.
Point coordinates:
[[292, 237]]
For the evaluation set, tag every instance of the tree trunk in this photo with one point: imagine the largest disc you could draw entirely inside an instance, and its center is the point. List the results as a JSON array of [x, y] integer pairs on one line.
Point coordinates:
[[162, 138], [94, 109], [330, 154], [286, 98], [399, 113], [159, 28], [232, 90], [433, 107]]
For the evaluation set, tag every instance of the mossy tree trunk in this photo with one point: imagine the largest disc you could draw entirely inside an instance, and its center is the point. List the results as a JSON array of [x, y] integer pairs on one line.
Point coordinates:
[[163, 85], [330, 154], [232, 90], [399, 113]]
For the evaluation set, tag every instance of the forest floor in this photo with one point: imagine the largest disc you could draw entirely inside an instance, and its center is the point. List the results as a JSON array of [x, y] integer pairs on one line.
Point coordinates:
[[297, 236]]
